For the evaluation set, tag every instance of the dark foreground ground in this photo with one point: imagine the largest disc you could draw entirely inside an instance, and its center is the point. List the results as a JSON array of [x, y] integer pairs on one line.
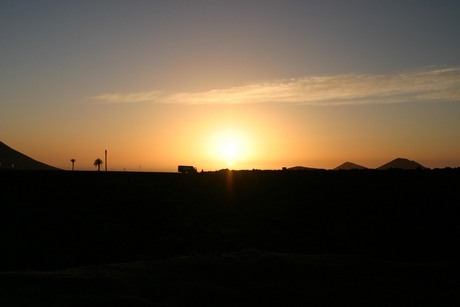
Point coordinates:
[[327, 238]]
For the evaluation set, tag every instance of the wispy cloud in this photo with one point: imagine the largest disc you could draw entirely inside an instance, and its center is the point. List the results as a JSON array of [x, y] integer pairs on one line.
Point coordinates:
[[149, 96], [426, 85]]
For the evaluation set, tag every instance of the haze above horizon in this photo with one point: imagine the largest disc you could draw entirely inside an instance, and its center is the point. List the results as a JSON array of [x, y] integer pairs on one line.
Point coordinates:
[[234, 84]]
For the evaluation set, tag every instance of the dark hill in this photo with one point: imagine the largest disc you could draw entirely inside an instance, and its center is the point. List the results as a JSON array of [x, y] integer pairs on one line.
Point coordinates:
[[401, 163], [349, 166], [303, 168], [12, 159]]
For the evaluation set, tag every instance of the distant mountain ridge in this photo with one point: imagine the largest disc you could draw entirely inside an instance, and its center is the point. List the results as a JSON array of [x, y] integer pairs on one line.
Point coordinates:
[[13, 159], [401, 163], [398, 163], [303, 168], [349, 166]]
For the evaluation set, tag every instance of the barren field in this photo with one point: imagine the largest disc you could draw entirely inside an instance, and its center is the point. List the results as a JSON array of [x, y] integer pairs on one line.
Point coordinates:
[[385, 238]]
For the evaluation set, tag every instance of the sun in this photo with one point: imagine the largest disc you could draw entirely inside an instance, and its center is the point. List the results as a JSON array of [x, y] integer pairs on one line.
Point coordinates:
[[229, 146], [230, 150]]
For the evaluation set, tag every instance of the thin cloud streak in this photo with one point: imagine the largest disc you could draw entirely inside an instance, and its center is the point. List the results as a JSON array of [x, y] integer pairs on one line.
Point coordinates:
[[434, 85], [129, 98]]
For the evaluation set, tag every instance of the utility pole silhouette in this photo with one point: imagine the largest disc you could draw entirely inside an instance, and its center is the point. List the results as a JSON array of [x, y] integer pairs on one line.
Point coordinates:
[[106, 160]]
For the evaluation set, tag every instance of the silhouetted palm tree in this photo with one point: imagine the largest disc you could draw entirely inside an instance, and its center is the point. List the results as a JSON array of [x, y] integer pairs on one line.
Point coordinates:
[[97, 163], [73, 161]]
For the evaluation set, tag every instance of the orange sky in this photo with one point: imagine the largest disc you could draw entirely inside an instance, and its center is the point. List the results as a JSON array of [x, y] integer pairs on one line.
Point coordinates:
[[234, 84], [151, 138]]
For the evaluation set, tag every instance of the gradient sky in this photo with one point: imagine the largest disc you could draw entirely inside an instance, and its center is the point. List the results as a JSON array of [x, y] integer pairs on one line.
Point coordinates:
[[237, 84]]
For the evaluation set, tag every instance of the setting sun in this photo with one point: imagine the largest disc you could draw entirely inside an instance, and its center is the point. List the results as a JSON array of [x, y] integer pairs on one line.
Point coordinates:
[[229, 146], [229, 151]]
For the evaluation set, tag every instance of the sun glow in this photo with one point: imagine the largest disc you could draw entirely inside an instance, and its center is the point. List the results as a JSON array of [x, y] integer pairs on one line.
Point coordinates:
[[230, 147]]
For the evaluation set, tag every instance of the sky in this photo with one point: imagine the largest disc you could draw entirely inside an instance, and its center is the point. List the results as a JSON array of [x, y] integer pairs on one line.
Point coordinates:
[[230, 84]]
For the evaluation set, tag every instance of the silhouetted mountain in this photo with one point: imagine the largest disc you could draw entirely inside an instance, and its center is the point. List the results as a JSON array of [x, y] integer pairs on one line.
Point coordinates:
[[349, 166], [303, 168], [12, 159], [401, 163]]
